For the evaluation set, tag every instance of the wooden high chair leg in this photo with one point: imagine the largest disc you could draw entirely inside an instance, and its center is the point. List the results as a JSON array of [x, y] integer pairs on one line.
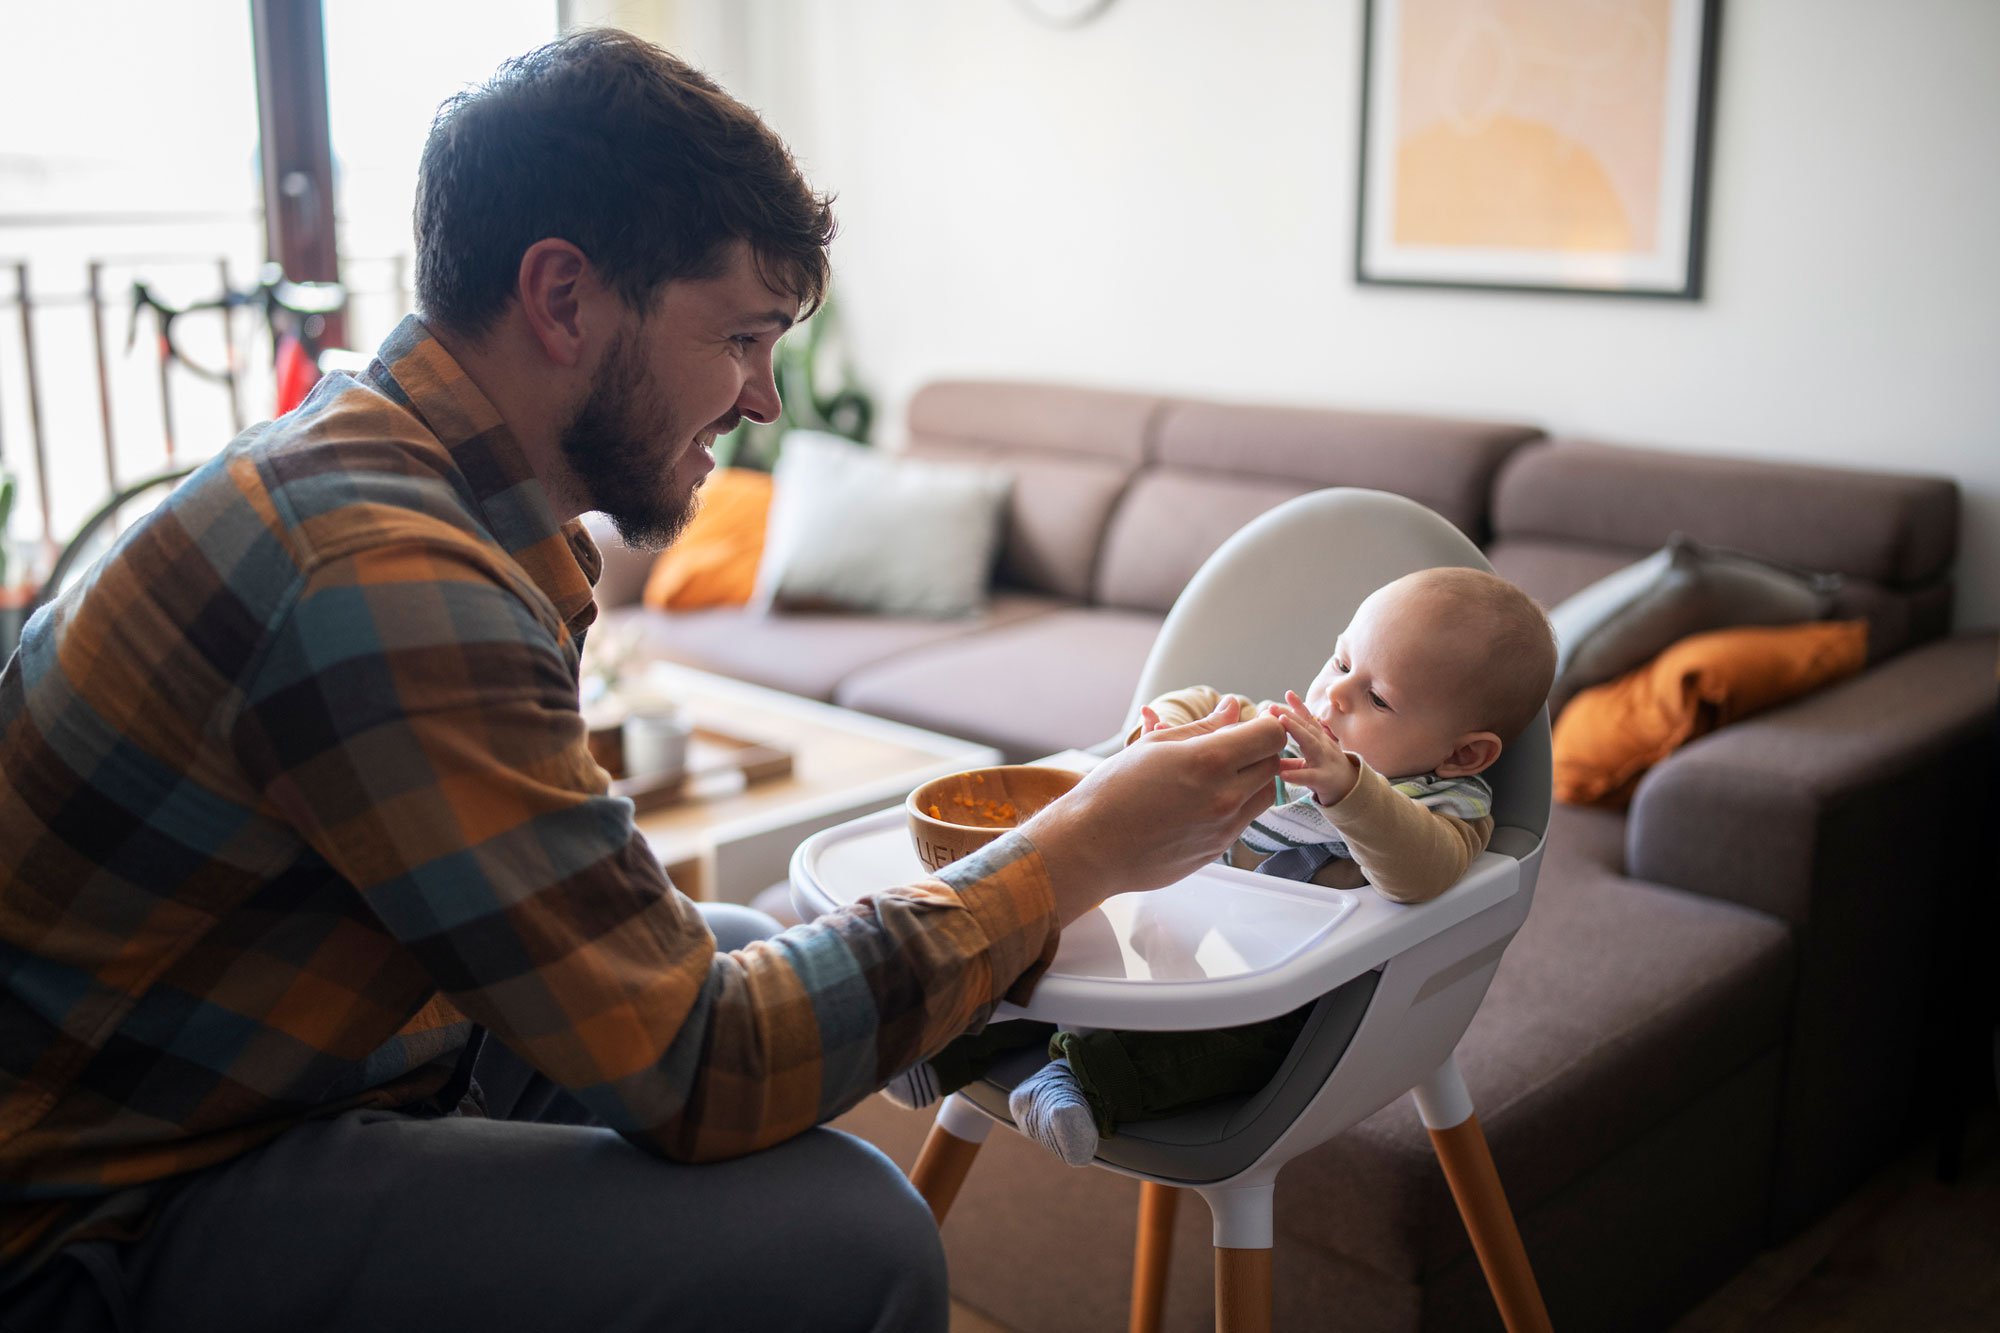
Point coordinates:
[[1152, 1254], [1242, 1291], [1461, 1150], [948, 1153], [1242, 1256]]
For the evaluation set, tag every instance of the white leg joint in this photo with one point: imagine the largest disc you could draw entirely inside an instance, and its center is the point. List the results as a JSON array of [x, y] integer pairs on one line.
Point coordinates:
[[1442, 1100], [1242, 1215], [962, 1120]]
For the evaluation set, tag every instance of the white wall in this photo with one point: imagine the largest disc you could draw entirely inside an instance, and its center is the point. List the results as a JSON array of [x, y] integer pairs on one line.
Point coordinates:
[[1165, 199]]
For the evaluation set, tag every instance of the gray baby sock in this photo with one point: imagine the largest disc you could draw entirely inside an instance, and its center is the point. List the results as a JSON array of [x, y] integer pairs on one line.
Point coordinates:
[[914, 1088], [1049, 1107]]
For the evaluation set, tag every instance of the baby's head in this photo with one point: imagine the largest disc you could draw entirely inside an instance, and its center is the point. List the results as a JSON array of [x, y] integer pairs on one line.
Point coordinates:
[[1436, 672]]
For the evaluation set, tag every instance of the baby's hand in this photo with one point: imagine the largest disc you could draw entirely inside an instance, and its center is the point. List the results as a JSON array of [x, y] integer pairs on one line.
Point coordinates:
[[1329, 771], [1226, 713]]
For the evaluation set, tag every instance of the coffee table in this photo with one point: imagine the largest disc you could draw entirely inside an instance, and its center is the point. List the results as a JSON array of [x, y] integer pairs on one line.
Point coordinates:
[[730, 841]]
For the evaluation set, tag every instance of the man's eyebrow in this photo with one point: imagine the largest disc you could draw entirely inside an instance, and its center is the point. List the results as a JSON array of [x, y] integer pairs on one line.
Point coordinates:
[[777, 319]]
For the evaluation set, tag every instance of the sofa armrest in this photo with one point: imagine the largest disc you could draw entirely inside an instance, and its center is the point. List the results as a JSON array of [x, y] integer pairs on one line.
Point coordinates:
[[625, 570], [1758, 812]]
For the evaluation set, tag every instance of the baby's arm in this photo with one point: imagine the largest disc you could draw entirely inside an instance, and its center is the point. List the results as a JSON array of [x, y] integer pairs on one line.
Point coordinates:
[[1409, 852]]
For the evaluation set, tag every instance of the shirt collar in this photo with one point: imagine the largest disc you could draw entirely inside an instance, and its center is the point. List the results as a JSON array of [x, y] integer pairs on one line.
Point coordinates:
[[413, 368]]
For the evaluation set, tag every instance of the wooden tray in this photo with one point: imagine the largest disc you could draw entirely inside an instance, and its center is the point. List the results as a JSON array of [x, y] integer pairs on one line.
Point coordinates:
[[710, 751]]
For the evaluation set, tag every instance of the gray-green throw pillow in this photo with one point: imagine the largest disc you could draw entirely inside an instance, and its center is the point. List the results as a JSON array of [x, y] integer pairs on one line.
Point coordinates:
[[1628, 618]]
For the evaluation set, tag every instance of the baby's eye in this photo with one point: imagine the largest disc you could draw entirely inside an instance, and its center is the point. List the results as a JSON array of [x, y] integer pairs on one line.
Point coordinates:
[[1340, 666], [1378, 701]]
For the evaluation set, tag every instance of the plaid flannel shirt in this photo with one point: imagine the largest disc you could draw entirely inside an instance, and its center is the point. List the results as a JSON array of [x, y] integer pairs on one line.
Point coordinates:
[[294, 791]]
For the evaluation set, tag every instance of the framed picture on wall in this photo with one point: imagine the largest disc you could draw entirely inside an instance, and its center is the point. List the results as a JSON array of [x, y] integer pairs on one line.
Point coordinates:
[[1536, 145]]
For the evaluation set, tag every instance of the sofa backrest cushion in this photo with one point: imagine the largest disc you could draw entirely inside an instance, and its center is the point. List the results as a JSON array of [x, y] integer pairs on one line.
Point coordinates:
[[1072, 451], [1568, 513], [1215, 466]]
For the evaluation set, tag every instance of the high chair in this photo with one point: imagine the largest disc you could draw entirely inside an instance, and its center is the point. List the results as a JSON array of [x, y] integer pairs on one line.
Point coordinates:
[[1392, 987]]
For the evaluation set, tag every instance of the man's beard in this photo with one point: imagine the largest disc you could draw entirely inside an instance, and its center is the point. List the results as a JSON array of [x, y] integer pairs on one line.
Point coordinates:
[[626, 469]]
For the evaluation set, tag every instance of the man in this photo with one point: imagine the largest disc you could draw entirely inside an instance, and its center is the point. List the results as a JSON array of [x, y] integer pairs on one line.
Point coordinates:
[[312, 902]]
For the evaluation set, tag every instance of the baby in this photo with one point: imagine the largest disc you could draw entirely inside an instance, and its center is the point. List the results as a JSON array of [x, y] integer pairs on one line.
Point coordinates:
[[1433, 675]]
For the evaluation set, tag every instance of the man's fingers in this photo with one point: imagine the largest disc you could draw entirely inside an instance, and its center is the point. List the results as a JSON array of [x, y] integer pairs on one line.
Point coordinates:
[[1255, 804], [1253, 742]]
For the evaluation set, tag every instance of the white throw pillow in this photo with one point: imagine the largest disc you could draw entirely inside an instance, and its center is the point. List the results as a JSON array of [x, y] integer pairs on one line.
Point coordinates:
[[858, 529]]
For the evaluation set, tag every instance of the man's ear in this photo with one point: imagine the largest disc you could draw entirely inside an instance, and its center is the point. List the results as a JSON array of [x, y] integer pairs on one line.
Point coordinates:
[[1474, 753], [556, 288]]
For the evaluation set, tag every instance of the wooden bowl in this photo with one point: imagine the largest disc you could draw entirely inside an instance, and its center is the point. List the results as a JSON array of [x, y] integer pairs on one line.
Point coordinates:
[[959, 813]]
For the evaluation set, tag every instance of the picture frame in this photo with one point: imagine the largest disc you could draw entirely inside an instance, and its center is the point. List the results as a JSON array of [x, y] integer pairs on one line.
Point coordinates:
[[1524, 146]]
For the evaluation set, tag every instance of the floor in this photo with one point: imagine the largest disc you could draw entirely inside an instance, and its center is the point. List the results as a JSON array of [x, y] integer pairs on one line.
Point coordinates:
[[1904, 1252]]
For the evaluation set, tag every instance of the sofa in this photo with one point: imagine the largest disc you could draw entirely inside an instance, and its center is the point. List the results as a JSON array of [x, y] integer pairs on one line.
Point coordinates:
[[1720, 1014]]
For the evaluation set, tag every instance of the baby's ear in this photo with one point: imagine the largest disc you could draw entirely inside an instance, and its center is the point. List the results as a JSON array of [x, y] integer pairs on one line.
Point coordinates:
[[1475, 752]]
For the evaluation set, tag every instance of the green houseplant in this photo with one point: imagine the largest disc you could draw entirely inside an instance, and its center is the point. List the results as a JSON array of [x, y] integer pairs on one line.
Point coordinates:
[[15, 601], [6, 512]]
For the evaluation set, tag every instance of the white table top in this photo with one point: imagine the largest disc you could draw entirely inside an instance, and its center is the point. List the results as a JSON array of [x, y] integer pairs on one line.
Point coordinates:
[[735, 839]]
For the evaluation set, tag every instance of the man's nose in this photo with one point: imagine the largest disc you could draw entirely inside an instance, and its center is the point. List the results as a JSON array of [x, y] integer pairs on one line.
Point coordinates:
[[759, 400]]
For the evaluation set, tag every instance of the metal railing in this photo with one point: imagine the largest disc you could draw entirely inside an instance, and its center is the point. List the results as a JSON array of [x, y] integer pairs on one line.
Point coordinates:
[[80, 414]]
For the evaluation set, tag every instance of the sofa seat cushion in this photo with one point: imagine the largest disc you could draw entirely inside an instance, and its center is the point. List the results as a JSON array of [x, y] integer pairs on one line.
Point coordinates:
[[1618, 1005], [1058, 681], [802, 652]]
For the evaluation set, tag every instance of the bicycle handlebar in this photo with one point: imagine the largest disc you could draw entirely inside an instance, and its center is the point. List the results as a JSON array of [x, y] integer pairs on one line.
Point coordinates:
[[274, 293]]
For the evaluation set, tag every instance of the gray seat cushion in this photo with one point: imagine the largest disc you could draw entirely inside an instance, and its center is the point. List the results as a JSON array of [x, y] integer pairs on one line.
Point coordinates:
[[1060, 680], [800, 652]]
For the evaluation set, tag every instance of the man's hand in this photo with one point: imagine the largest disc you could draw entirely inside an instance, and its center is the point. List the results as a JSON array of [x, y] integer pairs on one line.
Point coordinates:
[[1158, 810], [1322, 766]]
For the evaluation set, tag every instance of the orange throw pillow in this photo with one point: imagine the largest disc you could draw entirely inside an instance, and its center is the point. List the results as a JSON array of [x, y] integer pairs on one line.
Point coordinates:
[[1610, 734], [715, 561]]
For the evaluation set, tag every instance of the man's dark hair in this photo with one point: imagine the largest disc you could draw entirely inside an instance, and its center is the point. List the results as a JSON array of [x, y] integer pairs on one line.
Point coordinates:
[[633, 156]]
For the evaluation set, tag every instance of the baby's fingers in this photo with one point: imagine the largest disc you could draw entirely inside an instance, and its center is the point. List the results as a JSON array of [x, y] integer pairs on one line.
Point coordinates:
[[1306, 731]]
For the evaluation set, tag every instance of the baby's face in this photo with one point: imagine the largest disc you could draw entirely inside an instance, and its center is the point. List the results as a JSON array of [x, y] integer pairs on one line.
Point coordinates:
[[1392, 692]]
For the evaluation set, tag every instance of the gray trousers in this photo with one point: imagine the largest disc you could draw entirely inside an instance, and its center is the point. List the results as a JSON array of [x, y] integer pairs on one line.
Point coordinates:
[[533, 1219]]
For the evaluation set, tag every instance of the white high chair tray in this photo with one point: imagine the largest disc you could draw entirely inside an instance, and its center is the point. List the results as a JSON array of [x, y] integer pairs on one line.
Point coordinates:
[[1217, 949]]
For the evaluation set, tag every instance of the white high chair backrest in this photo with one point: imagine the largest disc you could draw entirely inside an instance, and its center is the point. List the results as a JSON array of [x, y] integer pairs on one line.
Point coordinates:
[[1261, 615]]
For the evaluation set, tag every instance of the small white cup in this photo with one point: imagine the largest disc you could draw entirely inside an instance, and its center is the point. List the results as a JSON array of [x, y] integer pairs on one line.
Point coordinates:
[[656, 743]]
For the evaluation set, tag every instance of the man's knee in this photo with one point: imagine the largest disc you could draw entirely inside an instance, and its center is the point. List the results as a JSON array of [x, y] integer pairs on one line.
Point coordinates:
[[872, 1226], [734, 925]]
